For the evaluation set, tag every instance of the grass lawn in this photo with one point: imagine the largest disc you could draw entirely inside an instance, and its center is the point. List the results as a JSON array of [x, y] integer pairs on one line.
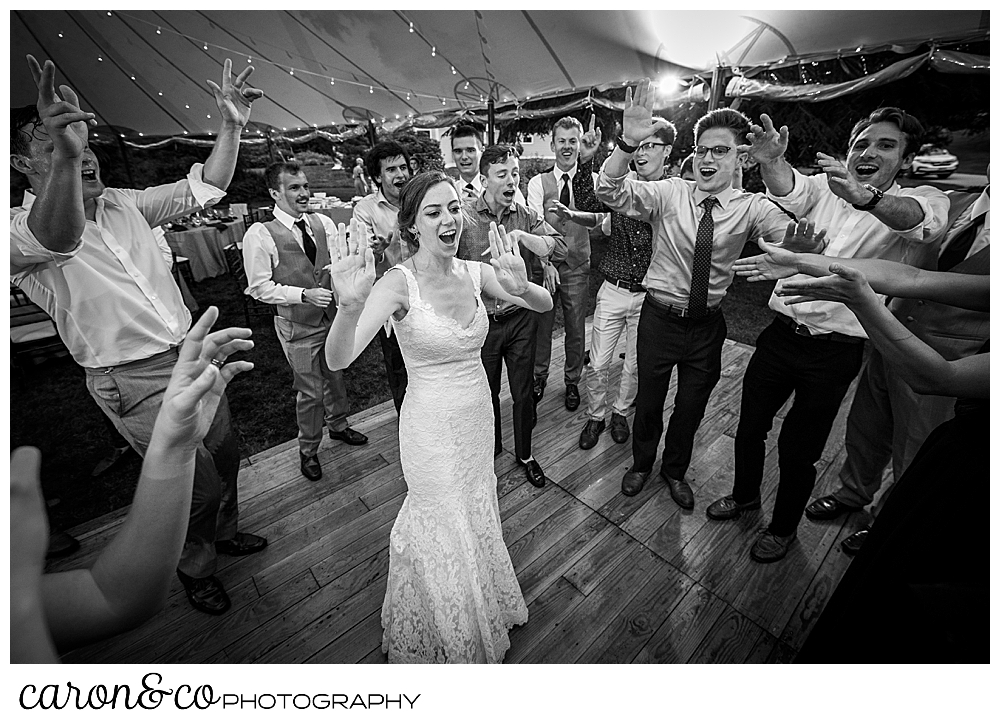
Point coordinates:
[[52, 410]]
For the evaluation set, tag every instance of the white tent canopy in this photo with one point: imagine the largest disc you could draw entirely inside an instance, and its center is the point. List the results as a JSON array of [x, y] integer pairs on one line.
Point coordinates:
[[145, 70]]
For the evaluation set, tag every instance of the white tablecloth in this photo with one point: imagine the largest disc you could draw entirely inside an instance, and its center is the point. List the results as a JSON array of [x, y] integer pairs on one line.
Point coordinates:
[[203, 246]]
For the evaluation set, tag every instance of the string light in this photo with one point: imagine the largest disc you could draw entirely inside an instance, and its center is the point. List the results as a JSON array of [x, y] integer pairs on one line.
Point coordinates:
[[249, 59], [159, 32], [442, 101], [100, 58], [411, 26], [140, 134], [208, 115], [291, 71], [185, 133], [186, 105], [466, 85], [407, 95], [204, 46], [60, 35], [132, 77], [434, 50], [160, 93], [109, 15], [332, 82], [453, 71], [371, 89]]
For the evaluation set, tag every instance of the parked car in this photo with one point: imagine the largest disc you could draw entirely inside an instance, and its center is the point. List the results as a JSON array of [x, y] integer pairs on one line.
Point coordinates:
[[933, 160]]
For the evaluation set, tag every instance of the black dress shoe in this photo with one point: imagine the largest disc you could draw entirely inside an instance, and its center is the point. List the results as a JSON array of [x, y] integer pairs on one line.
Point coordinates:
[[591, 432], [206, 594], [538, 389], [572, 397], [309, 465], [351, 437], [241, 544], [827, 508], [533, 472], [632, 482], [61, 544], [852, 543], [619, 428], [680, 491]]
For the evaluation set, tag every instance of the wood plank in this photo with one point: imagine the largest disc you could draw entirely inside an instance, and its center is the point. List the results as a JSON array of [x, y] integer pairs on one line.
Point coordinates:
[[732, 638], [676, 640], [553, 563], [544, 612], [588, 572], [354, 645], [529, 545]]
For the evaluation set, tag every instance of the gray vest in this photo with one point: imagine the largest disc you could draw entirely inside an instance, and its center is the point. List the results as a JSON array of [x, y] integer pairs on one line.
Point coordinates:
[[295, 269], [577, 237]]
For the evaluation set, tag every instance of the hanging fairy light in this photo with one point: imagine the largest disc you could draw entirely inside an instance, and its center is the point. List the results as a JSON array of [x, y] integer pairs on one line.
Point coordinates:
[[291, 71], [204, 46], [371, 89], [434, 50], [411, 26], [100, 58], [60, 35], [158, 31], [332, 82], [453, 71]]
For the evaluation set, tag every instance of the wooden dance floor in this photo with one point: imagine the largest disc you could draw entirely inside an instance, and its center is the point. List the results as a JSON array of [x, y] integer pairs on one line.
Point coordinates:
[[607, 578]]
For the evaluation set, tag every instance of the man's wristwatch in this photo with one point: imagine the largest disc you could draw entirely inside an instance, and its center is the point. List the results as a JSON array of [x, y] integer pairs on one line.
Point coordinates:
[[876, 197], [303, 296], [620, 142]]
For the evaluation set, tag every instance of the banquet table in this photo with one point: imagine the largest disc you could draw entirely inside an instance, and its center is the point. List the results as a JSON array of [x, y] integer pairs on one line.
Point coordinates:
[[339, 215], [203, 246]]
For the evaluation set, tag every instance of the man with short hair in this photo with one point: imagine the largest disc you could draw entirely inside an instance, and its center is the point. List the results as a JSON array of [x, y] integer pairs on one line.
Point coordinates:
[[620, 298], [511, 337], [699, 230], [466, 150], [86, 254], [572, 273], [388, 164], [814, 350], [285, 261]]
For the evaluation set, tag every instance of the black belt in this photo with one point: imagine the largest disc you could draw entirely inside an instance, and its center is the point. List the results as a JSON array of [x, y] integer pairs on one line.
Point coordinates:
[[681, 311], [504, 314], [804, 331], [622, 284]]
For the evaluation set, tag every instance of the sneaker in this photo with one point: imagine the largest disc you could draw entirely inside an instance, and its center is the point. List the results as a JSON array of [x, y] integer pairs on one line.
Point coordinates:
[[769, 547], [619, 428], [591, 432]]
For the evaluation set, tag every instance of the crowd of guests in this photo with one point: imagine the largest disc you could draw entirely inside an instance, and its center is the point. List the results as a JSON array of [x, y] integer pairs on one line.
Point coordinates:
[[496, 264]]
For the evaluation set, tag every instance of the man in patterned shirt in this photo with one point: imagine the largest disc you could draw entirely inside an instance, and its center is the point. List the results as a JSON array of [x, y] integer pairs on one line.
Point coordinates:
[[621, 295]]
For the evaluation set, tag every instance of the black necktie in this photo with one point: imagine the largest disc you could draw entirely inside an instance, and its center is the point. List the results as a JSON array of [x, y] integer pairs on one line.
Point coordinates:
[[470, 191], [958, 247], [698, 301], [307, 242], [564, 194]]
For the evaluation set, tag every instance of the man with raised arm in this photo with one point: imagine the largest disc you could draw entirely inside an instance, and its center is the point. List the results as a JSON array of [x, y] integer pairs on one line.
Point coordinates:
[[699, 230], [815, 350], [511, 337], [285, 261], [86, 254], [388, 165]]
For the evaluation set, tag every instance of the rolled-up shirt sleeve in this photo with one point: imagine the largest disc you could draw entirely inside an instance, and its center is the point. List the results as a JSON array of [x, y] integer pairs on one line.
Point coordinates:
[[935, 206], [260, 256], [540, 227], [160, 204], [629, 197], [805, 190]]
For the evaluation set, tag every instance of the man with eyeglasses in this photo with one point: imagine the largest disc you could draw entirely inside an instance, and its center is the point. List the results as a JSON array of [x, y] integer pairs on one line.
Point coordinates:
[[815, 349], [621, 294], [699, 229]]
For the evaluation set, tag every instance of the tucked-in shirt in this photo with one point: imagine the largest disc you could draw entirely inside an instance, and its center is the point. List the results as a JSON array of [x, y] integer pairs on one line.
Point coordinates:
[[380, 217], [536, 196], [858, 235], [260, 257], [672, 207], [474, 244], [477, 187], [112, 296], [631, 246]]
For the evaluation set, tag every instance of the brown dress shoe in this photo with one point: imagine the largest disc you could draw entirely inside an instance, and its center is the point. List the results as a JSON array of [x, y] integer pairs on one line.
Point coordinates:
[[206, 594], [680, 491], [633, 482]]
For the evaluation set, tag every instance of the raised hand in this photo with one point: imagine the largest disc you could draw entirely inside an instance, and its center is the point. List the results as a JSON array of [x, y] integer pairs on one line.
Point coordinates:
[[507, 261], [767, 144], [775, 263], [799, 237], [65, 123], [235, 96], [637, 119], [844, 284], [842, 183], [560, 211], [590, 141], [353, 271], [198, 380]]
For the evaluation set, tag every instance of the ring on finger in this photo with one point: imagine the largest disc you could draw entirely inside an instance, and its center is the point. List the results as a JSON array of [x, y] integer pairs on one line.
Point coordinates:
[[218, 363]]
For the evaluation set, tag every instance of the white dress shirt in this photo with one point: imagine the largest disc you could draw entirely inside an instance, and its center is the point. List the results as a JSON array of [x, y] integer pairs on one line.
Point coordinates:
[[112, 297], [536, 196], [979, 206], [857, 234], [260, 258]]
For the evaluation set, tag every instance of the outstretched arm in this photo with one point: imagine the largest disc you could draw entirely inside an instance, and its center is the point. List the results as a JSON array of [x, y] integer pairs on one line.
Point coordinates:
[[233, 99], [57, 217], [767, 146], [637, 124], [926, 371], [897, 212], [130, 579], [361, 310]]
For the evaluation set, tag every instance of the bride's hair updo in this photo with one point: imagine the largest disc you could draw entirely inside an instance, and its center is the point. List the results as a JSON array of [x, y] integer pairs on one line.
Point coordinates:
[[410, 199]]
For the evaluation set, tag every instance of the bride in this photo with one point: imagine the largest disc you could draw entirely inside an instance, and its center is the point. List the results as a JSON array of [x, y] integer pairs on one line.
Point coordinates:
[[452, 595]]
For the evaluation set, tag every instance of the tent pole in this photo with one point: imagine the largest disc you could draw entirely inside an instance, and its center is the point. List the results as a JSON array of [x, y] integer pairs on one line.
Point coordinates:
[[718, 83], [491, 109]]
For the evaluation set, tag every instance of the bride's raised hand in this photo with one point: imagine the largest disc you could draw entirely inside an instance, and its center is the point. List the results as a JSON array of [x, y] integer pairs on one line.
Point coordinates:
[[352, 271], [507, 261]]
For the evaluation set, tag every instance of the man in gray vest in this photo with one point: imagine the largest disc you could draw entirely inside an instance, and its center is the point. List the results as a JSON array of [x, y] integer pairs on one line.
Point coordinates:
[[285, 261], [573, 272]]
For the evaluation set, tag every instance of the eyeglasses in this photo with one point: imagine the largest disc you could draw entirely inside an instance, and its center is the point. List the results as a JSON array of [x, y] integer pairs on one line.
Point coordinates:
[[648, 147], [717, 151]]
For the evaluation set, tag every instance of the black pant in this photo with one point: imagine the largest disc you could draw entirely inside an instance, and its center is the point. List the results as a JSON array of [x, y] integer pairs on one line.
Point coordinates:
[[694, 346], [511, 341], [819, 372], [395, 370]]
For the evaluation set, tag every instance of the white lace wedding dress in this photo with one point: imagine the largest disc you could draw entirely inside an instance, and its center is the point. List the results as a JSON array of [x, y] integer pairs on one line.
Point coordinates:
[[452, 594]]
